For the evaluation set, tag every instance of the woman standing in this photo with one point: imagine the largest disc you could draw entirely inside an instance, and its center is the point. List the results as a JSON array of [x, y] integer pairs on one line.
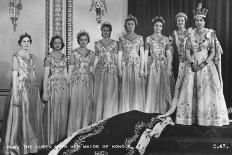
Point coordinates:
[[81, 85], [158, 70], [55, 93], [24, 121], [131, 68], [180, 38], [199, 96], [106, 75]]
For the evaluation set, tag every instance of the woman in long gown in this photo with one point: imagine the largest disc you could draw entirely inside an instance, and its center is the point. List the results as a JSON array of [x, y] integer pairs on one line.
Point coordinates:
[[160, 80], [23, 133], [199, 96], [180, 38], [131, 68], [81, 85], [106, 75], [106, 137], [55, 93]]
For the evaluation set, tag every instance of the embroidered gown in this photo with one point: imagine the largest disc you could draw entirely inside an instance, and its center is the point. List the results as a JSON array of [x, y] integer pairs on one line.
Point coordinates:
[[106, 81], [24, 121], [81, 90], [199, 95], [132, 93], [159, 82], [56, 111]]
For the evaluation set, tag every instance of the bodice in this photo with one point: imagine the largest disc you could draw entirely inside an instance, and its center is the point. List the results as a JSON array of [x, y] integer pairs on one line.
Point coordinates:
[[83, 60], [26, 73], [57, 66], [106, 54], [157, 47], [131, 47], [200, 45], [107, 57]]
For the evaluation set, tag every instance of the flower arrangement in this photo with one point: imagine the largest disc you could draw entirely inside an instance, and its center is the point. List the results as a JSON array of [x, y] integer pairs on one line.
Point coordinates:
[[99, 6]]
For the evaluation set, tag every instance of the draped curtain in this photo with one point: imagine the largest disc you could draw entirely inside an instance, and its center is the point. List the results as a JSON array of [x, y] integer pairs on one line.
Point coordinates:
[[219, 18]]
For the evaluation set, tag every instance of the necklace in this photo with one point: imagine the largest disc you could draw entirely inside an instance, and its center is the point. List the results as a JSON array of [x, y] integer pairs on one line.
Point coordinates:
[[83, 52], [25, 55], [200, 38]]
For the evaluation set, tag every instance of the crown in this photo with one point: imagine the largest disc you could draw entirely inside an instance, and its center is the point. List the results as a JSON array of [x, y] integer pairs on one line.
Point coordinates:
[[106, 23], [200, 11], [181, 14], [133, 18], [158, 18]]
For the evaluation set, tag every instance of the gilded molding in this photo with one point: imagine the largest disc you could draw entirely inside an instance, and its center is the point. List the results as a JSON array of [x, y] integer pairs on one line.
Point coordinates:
[[47, 25], [69, 28]]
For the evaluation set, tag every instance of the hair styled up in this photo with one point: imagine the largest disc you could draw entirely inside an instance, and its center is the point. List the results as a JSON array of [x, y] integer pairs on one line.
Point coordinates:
[[82, 33], [53, 39], [24, 35], [130, 18], [158, 19], [181, 14], [106, 24]]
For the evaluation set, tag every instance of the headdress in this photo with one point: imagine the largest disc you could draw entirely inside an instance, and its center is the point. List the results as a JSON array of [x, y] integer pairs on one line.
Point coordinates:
[[106, 24], [200, 12], [131, 17], [158, 19], [23, 34], [181, 14], [82, 32]]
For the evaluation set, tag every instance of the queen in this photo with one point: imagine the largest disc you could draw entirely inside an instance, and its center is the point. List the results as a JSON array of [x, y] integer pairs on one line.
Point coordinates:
[[199, 96]]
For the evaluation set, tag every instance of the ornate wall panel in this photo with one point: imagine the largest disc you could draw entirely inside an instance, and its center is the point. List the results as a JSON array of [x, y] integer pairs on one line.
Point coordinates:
[[59, 14]]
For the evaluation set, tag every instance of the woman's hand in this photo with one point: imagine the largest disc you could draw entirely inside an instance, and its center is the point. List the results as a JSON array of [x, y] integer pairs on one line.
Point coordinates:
[[16, 101], [45, 97], [194, 67], [202, 65]]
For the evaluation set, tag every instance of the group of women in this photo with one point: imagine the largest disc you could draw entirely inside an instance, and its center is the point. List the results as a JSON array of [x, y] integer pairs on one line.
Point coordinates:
[[117, 77]]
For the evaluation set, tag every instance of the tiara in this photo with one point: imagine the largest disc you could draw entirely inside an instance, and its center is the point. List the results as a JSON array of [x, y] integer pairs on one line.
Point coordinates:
[[81, 32], [133, 18], [22, 34], [181, 14], [200, 11], [106, 23], [158, 18]]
